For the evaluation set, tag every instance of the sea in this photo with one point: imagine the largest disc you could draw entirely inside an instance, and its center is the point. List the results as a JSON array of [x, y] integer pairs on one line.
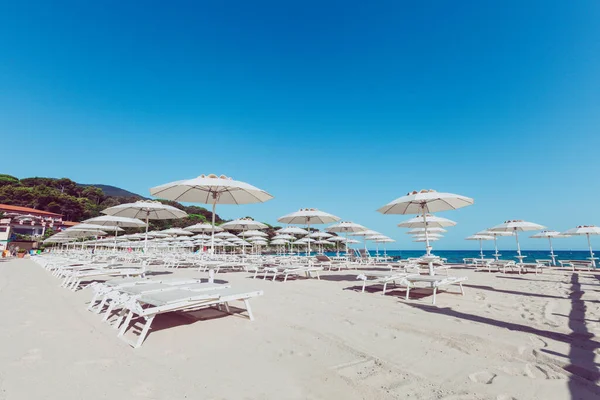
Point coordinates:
[[456, 256]]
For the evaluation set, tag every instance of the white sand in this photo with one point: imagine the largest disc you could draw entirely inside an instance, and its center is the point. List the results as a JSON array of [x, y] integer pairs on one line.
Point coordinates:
[[511, 336]]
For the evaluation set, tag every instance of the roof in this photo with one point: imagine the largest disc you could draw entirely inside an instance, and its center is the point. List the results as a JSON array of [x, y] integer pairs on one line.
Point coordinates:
[[6, 207], [69, 223]]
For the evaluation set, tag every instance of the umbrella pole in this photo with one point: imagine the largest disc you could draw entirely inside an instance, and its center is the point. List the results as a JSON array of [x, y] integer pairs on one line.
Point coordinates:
[[496, 247], [115, 248], [591, 251], [518, 246], [552, 251], [481, 248], [146, 238], [212, 237], [308, 228], [427, 250]]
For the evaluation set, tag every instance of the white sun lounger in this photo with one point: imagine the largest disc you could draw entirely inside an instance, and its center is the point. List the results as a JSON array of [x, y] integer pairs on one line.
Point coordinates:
[[153, 304], [73, 281], [435, 282], [383, 278], [121, 296], [109, 288], [286, 271]]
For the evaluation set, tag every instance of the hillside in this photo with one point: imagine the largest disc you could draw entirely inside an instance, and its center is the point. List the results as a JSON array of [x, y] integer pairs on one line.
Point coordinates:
[[77, 202], [113, 190]]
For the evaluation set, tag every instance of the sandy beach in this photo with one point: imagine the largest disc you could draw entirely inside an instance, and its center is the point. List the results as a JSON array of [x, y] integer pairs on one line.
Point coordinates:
[[510, 337]]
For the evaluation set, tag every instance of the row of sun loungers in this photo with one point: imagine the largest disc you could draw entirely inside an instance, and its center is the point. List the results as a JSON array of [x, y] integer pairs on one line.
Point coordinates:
[[133, 296]]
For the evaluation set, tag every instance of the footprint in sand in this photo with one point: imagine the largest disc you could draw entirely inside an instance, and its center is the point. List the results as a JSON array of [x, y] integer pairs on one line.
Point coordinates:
[[505, 397], [483, 377]]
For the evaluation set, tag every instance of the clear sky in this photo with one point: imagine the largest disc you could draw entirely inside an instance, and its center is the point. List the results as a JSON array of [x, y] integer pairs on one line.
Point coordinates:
[[342, 106]]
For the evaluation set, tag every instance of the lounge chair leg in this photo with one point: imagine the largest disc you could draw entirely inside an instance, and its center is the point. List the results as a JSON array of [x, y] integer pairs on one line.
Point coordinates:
[[144, 331], [434, 293], [227, 308], [102, 304], [462, 291], [318, 276], [94, 299], [125, 324], [248, 309], [109, 310], [284, 278], [384, 287], [407, 291]]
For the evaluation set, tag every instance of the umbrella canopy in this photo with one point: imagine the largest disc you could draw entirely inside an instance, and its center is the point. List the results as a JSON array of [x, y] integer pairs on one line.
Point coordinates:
[[423, 240], [211, 189], [147, 210], [116, 222], [516, 226], [91, 227], [337, 239], [352, 241], [586, 230], [550, 235], [425, 201], [292, 230], [422, 230], [346, 227], [243, 224], [427, 220], [284, 237], [200, 236], [177, 231], [365, 233], [203, 227], [308, 217], [320, 235], [253, 233], [224, 235], [325, 242], [422, 235]]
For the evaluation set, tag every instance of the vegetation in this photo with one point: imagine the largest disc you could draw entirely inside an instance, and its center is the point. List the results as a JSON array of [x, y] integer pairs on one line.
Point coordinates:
[[79, 202]]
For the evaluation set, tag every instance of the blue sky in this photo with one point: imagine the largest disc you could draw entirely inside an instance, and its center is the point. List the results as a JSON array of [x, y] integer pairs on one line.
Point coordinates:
[[342, 106]]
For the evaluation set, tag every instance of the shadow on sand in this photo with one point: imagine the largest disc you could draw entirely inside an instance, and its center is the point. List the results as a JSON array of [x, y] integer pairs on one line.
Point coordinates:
[[582, 349]]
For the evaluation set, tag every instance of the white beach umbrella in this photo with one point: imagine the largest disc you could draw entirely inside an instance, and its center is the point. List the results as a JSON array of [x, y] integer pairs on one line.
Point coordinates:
[[253, 232], [308, 217], [90, 227], [480, 238], [224, 235], [516, 226], [423, 202], [423, 240], [292, 230], [319, 234], [176, 231], [203, 228], [243, 224], [347, 228], [284, 237], [431, 221], [495, 234], [146, 210], [422, 235], [550, 235], [211, 189], [585, 230], [116, 222], [426, 201], [422, 230]]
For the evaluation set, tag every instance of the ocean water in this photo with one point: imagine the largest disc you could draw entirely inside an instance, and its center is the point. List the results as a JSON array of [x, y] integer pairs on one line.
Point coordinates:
[[456, 256]]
